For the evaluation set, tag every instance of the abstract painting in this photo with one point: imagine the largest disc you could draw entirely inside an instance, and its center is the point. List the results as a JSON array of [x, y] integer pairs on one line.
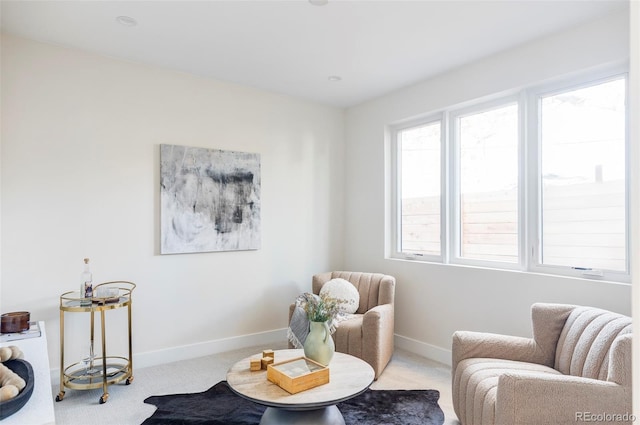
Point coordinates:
[[210, 200]]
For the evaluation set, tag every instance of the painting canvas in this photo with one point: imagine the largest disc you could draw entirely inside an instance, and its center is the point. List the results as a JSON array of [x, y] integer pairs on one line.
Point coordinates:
[[210, 200]]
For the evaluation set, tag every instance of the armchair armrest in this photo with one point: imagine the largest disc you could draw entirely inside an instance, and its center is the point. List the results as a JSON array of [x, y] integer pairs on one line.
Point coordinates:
[[547, 323], [318, 280], [377, 318], [468, 344], [377, 336], [533, 399], [620, 361], [292, 307]]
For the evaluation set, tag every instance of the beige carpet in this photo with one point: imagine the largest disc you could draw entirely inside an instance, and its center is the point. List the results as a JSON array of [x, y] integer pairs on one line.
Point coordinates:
[[126, 402]]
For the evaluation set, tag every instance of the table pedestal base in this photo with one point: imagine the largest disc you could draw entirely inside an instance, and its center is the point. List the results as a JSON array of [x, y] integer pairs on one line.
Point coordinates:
[[324, 416]]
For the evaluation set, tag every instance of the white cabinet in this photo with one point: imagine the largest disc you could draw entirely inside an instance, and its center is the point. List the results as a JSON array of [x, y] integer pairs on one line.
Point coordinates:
[[39, 408]]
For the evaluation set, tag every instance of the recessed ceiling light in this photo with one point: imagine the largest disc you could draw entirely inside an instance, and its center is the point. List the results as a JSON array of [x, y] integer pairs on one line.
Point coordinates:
[[127, 21], [318, 2], [334, 78]]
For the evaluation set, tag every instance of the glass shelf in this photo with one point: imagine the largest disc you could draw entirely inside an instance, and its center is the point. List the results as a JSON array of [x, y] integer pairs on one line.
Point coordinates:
[[72, 301], [76, 376]]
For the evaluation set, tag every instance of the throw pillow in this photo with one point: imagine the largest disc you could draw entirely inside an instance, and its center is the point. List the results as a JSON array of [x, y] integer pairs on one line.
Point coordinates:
[[342, 290]]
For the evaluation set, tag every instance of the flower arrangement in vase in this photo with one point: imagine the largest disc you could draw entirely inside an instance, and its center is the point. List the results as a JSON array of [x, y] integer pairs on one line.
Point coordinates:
[[320, 308], [322, 312]]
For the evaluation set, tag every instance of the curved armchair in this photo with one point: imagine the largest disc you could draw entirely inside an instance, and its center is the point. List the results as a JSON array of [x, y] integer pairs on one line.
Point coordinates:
[[369, 334], [576, 368]]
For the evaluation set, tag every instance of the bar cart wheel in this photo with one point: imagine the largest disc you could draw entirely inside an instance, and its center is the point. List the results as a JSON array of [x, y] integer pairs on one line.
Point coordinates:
[[104, 398]]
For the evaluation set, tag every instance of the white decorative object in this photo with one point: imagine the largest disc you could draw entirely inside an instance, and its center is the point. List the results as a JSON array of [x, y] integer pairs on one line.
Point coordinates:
[[210, 200], [344, 291]]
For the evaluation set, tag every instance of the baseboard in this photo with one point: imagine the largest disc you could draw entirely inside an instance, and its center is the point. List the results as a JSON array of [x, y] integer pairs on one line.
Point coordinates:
[[423, 349], [200, 349], [192, 351]]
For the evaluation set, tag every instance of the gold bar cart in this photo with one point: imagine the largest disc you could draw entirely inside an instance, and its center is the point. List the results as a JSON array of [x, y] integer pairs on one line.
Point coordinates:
[[102, 370]]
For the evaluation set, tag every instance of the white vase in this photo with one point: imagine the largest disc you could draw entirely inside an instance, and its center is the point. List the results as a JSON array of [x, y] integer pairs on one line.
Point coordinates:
[[319, 345]]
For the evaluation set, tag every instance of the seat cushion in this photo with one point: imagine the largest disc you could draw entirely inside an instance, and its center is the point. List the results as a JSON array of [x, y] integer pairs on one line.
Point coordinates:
[[476, 383]]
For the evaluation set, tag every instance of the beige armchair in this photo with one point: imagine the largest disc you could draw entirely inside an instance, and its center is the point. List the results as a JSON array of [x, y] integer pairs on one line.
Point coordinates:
[[576, 368], [369, 334]]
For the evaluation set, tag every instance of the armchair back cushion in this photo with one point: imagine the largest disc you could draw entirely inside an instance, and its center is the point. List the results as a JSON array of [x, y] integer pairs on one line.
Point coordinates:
[[374, 288], [585, 344]]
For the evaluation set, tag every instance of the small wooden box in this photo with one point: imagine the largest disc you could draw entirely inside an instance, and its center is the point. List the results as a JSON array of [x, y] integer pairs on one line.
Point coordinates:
[[255, 364], [266, 361], [298, 374]]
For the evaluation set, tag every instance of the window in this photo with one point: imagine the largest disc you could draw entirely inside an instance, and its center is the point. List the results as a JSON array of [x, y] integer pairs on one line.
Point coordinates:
[[535, 181], [583, 184], [419, 149], [488, 184]]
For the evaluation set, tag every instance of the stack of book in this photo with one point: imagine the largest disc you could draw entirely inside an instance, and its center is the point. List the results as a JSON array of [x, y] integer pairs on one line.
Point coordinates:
[[32, 332]]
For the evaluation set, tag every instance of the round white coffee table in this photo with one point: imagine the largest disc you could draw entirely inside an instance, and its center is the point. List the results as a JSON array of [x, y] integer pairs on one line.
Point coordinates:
[[348, 377]]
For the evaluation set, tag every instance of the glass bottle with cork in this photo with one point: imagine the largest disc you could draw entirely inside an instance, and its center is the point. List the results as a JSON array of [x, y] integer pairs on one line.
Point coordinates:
[[86, 284]]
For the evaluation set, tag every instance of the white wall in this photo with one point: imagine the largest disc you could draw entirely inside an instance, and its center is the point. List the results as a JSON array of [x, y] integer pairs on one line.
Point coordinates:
[[434, 300], [80, 178]]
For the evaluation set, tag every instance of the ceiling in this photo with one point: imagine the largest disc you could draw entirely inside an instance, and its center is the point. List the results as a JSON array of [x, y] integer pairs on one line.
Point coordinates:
[[292, 46]]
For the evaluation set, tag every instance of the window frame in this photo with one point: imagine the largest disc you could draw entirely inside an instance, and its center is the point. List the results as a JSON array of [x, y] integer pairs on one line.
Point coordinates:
[[534, 96], [396, 184], [529, 170], [455, 205]]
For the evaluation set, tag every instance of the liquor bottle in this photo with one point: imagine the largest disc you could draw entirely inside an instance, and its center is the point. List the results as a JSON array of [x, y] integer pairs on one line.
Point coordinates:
[[86, 284]]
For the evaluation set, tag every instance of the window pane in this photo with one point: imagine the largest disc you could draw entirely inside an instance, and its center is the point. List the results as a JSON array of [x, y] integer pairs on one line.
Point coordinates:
[[489, 185], [583, 177], [419, 150]]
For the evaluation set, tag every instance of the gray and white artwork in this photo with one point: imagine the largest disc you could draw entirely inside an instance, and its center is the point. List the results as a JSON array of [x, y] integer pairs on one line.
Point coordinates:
[[210, 200]]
